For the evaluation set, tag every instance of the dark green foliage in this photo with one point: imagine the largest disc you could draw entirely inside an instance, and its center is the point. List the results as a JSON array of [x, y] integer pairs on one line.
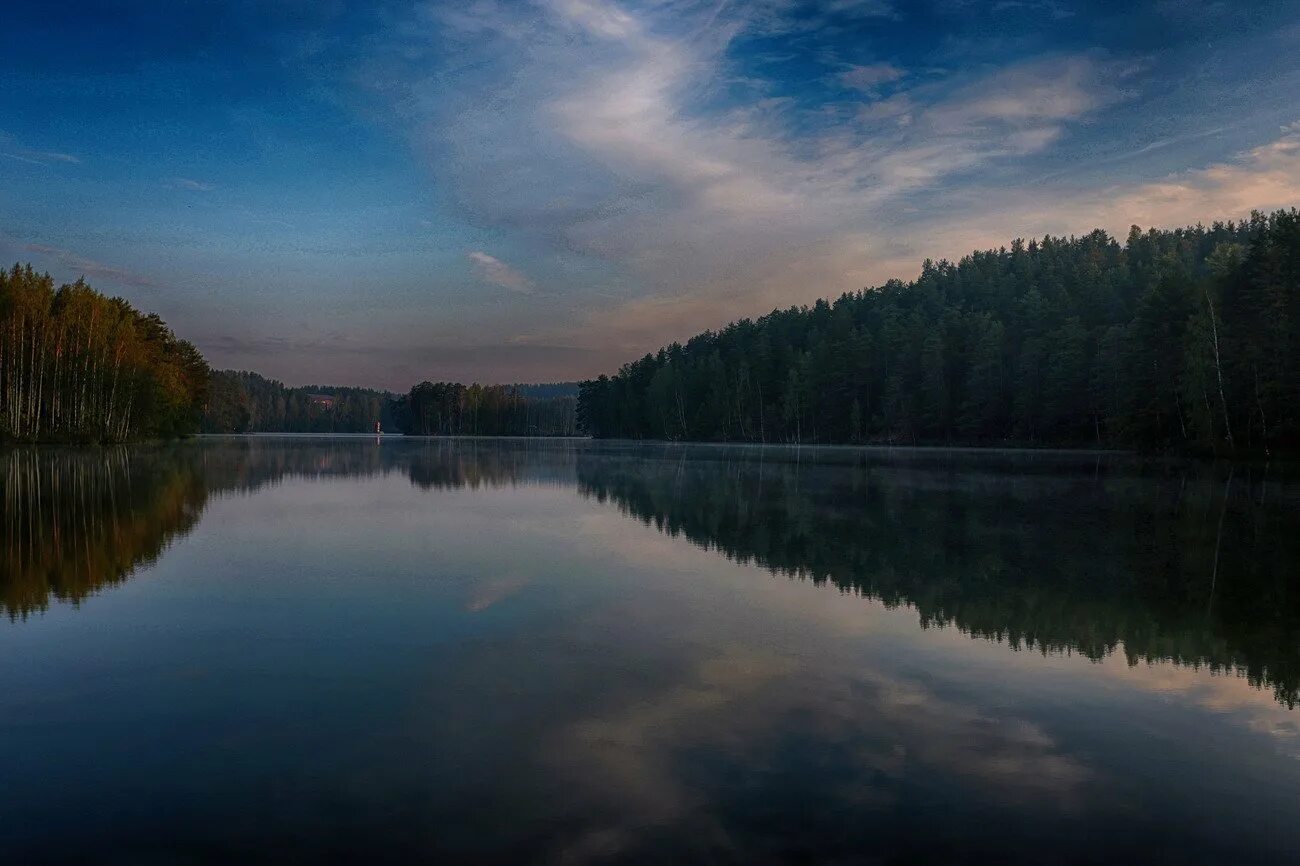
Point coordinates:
[[453, 409], [76, 365], [243, 402], [1180, 338], [547, 390]]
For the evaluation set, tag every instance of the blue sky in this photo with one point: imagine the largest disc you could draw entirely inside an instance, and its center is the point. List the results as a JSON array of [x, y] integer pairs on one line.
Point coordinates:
[[376, 193]]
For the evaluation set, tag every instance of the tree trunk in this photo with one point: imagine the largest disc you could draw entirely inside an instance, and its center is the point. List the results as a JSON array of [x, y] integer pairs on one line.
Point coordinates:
[[1218, 367]]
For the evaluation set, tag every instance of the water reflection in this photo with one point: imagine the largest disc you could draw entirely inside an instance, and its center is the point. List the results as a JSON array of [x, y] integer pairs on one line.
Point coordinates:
[[1052, 552], [75, 521], [78, 520], [1192, 564], [474, 651]]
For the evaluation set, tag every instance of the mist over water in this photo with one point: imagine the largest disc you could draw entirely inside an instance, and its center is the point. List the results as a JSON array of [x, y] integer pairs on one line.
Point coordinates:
[[327, 649]]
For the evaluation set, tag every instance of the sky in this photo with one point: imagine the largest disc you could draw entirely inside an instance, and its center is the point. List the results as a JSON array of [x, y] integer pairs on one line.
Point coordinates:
[[376, 193]]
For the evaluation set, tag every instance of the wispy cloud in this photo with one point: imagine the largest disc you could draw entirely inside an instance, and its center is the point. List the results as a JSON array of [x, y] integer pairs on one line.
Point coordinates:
[[1261, 178], [861, 8], [1054, 90], [13, 149], [659, 150], [94, 269], [599, 148], [191, 184], [631, 171], [870, 76], [497, 272]]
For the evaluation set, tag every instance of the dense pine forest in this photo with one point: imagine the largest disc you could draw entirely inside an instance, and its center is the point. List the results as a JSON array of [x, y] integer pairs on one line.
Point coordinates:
[[243, 402], [1173, 339], [76, 365], [452, 409]]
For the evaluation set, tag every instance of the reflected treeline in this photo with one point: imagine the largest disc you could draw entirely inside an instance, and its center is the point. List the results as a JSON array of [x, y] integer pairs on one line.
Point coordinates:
[[452, 463], [244, 464], [1194, 564], [1191, 564], [77, 520]]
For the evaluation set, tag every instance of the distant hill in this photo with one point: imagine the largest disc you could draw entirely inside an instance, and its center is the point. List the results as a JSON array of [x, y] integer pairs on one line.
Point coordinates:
[[240, 401], [243, 402], [453, 409]]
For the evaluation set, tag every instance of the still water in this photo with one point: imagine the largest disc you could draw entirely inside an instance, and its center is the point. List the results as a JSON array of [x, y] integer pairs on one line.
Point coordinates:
[[316, 650]]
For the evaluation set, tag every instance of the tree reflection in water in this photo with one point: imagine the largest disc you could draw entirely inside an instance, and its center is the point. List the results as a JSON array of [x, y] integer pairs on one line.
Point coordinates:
[[78, 520], [1058, 553], [75, 521], [1095, 555]]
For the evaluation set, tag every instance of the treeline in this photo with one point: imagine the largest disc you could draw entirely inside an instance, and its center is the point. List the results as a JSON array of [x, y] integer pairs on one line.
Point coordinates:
[[1183, 338], [453, 409], [243, 402], [77, 365]]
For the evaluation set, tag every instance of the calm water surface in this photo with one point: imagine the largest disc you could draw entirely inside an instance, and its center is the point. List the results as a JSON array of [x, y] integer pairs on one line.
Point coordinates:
[[340, 650]]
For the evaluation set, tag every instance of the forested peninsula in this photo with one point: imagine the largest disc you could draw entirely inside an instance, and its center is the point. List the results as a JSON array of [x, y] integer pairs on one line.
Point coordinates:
[[1179, 339], [78, 366], [244, 402], [452, 409]]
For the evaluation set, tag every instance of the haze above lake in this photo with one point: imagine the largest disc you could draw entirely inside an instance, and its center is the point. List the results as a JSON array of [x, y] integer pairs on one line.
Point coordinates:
[[298, 649]]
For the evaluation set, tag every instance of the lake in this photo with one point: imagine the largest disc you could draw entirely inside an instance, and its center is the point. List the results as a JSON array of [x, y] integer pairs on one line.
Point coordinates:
[[280, 649]]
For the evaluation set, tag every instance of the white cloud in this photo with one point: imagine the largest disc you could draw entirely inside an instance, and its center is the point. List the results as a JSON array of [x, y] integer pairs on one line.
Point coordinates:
[[743, 221], [192, 185], [598, 18], [14, 149], [1262, 178], [594, 144], [898, 108], [497, 272], [82, 266], [1046, 91], [871, 76]]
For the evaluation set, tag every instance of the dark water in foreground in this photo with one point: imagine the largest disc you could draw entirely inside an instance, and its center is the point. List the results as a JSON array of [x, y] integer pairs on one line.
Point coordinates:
[[332, 650]]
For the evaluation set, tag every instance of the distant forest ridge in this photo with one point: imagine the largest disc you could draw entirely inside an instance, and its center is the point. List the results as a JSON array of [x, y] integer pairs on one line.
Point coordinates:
[[453, 409], [244, 402], [1182, 338]]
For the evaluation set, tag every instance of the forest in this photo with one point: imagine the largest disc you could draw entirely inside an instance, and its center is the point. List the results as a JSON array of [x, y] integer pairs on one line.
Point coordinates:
[[452, 409], [1175, 339], [78, 366], [244, 402]]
